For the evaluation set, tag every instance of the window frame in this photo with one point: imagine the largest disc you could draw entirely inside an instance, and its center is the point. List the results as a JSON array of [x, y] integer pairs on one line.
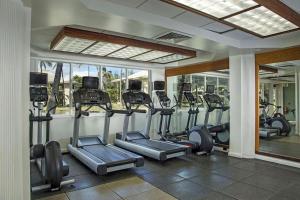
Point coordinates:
[[35, 68]]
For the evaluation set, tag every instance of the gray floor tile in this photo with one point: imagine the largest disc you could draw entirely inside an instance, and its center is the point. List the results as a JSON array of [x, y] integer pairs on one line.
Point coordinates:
[[213, 181], [186, 190], [83, 181], [189, 172], [233, 172], [244, 191], [161, 179], [280, 173], [196, 177], [268, 182], [76, 168], [217, 196], [290, 193], [251, 165]]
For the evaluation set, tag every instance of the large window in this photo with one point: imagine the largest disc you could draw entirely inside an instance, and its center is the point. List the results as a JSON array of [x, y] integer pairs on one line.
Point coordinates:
[[140, 75], [112, 79], [113, 82], [62, 74], [79, 71]]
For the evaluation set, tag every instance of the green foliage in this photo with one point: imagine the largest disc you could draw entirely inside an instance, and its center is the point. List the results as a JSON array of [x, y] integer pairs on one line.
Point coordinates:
[[76, 81], [112, 88]]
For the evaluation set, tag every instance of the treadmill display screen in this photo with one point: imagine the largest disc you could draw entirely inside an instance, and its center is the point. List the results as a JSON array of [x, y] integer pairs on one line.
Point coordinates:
[[38, 94], [89, 82], [135, 85], [37, 78], [210, 89], [186, 87], [159, 85]]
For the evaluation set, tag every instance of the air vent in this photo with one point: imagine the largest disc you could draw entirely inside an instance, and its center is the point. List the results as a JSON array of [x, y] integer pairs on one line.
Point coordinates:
[[173, 37]]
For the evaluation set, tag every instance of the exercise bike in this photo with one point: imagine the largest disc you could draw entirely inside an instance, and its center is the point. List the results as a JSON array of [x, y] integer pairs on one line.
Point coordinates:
[[47, 156]]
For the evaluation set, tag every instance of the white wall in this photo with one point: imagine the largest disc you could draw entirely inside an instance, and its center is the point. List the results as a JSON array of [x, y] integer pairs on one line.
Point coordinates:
[[14, 83], [242, 105]]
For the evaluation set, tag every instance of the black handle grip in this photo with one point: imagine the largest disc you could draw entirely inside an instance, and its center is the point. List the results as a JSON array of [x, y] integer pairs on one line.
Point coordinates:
[[138, 111], [85, 113], [120, 111]]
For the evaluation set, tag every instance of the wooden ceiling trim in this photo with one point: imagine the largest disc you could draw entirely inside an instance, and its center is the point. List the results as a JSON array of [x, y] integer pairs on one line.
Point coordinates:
[[95, 36], [281, 9], [281, 55], [198, 68], [268, 69]]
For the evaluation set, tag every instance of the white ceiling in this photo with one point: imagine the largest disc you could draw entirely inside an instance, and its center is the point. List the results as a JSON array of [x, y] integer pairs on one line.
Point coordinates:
[[146, 19], [160, 8], [192, 19], [294, 4]]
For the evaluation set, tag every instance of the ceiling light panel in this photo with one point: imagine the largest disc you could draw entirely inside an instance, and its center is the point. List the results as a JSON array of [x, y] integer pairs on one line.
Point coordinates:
[[151, 55], [218, 8], [262, 21], [102, 48], [171, 58], [71, 44], [128, 52]]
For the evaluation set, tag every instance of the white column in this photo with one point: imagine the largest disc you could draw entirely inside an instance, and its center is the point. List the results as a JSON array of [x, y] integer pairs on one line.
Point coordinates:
[[14, 101], [242, 106], [297, 100]]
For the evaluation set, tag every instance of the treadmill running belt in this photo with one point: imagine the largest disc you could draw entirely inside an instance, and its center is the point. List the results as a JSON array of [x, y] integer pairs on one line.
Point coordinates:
[[108, 155], [157, 145]]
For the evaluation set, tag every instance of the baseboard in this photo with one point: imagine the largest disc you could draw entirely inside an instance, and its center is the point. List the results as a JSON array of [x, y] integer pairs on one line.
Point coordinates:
[[239, 155], [234, 154], [278, 160]]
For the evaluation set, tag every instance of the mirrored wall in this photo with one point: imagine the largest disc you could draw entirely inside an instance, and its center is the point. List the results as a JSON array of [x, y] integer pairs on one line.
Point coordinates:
[[199, 82], [278, 109]]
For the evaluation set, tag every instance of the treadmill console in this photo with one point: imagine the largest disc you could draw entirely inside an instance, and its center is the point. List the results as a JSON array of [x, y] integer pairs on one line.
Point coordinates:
[[213, 101], [38, 94], [162, 97], [136, 98], [91, 97], [190, 97]]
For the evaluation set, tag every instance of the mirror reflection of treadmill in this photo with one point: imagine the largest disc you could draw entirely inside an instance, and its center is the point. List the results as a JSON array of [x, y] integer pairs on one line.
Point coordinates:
[[138, 141], [94, 151]]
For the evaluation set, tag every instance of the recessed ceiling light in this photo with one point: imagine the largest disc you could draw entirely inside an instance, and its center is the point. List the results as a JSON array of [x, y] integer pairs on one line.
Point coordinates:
[[171, 58], [262, 21], [218, 8], [151, 55], [71, 44], [102, 48], [101, 44], [128, 52]]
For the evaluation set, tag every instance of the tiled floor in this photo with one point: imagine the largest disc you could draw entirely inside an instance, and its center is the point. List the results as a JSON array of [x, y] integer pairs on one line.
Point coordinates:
[[215, 177]]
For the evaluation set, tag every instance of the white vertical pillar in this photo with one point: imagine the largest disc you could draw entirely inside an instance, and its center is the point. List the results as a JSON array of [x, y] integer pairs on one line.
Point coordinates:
[[297, 100], [14, 101], [242, 106]]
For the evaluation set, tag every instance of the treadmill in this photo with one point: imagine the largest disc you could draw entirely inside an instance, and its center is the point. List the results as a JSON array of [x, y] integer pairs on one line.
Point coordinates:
[[140, 142], [94, 151]]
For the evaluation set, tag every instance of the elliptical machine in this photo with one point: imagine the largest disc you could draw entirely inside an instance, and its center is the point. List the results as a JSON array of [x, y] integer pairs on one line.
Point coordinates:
[[276, 120], [200, 145], [47, 156], [219, 132]]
